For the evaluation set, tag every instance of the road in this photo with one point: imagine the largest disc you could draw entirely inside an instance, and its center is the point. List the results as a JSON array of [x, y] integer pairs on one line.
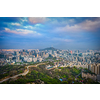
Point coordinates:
[[23, 74], [79, 73]]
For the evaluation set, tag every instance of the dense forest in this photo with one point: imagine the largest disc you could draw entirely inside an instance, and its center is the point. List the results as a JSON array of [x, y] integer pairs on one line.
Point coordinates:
[[10, 70]]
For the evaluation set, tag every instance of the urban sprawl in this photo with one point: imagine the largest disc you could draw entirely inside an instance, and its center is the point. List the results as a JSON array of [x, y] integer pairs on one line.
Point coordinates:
[[87, 59]]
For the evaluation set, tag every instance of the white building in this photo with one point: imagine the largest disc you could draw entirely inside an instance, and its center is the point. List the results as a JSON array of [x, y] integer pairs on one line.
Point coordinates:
[[34, 59], [28, 59], [39, 59]]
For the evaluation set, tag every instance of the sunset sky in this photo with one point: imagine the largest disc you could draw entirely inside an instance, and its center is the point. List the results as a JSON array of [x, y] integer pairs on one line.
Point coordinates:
[[74, 33]]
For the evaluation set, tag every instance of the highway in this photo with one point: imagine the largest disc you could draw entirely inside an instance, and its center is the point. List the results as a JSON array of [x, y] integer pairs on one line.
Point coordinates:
[[23, 74]]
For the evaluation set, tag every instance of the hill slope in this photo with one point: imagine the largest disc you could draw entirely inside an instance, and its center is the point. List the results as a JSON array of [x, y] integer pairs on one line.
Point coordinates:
[[49, 48]]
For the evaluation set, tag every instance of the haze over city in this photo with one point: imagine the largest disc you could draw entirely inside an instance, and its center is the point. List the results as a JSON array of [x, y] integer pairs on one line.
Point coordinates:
[[74, 33]]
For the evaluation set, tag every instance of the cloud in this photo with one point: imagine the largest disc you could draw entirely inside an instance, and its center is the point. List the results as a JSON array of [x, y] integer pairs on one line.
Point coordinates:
[[36, 26], [21, 32], [68, 28], [90, 25], [24, 20], [36, 20], [17, 24], [30, 27], [87, 25], [63, 40], [59, 23], [72, 20]]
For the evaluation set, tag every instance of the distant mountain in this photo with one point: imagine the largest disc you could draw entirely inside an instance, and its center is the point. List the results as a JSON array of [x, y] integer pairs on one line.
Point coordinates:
[[50, 48]]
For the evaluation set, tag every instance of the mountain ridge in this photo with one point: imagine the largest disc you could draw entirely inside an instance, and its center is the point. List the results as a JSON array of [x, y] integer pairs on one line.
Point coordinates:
[[49, 48]]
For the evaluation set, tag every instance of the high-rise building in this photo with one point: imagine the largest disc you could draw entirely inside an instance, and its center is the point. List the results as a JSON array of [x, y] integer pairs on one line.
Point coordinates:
[[30, 53], [33, 52], [89, 67], [34, 56], [95, 69], [17, 53], [37, 55], [44, 54], [24, 53], [18, 57], [98, 69]]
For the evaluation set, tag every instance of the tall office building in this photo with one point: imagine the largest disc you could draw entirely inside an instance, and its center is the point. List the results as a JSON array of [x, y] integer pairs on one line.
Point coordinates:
[[18, 58], [17, 53], [37, 55], [30, 53], [44, 54], [24, 53]]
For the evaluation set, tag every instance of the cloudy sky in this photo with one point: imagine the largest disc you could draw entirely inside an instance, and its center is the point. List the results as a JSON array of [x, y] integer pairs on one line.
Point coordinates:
[[40, 32]]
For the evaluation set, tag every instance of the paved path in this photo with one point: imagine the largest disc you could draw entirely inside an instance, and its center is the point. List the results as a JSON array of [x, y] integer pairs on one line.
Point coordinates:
[[79, 73], [23, 74]]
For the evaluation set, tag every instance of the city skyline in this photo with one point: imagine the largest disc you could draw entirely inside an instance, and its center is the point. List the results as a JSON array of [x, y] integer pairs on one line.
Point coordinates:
[[74, 33]]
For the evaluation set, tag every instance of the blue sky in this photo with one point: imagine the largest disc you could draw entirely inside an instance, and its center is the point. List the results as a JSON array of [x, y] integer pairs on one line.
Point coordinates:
[[72, 33]]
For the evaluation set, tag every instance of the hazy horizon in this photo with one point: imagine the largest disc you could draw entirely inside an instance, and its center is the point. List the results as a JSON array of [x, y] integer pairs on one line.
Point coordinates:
[[47, 47], [73, 33]]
